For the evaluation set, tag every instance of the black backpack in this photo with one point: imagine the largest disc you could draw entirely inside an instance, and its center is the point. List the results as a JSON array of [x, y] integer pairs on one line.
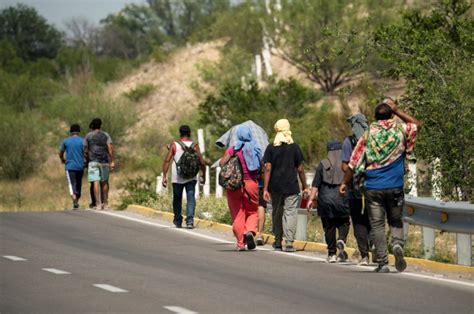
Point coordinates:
[[231, 176], [188, 165]]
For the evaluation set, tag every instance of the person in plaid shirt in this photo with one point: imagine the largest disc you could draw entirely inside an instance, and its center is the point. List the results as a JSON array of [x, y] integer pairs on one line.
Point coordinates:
[[380, 156]]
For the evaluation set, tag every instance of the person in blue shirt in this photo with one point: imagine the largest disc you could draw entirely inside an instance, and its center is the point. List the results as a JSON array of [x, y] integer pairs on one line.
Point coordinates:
[[71, 154]]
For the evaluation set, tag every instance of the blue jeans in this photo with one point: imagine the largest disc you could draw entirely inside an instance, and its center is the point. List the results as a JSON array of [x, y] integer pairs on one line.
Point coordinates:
[[178, 199]]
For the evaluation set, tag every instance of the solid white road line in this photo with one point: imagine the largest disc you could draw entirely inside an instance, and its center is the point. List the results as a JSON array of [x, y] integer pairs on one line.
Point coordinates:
[[56, 271], [294, 255], [15, 258], [109, 288], [189, 232], [178, 309]]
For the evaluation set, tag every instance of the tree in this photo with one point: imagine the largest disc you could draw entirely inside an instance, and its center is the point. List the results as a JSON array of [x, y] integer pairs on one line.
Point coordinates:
[[83, 34], [434, 53], [29, 32], [130, 33], [325, 39], [312, 126], [179, 19]]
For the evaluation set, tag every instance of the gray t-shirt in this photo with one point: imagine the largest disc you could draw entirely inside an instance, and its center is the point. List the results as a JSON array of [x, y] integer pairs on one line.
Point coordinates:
[[97, 141]]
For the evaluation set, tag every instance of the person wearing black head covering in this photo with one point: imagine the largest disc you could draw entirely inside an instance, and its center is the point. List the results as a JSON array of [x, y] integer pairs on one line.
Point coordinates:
[[359, 216], [332, 207]]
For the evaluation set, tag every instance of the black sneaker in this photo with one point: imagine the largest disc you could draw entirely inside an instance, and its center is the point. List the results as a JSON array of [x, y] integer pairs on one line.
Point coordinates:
[[400, 263], [178, 225], [382, 268], [189, 226], [276, 246], [75, 206], [250, 240]]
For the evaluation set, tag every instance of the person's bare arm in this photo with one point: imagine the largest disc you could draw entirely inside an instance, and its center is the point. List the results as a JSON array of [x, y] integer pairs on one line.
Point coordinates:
[[302, 177], [266, 180], [61, 156], [86, 154], [402, 115], [224, 159], [313, 198], [110, 152], [166, 165], [344, 166], [345, 181]]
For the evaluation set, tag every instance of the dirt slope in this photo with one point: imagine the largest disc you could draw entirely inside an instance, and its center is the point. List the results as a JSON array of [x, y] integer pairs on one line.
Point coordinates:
[[172, 94]]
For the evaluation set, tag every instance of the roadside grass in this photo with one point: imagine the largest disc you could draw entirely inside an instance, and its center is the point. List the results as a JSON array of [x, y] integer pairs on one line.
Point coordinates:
[[47, 190]]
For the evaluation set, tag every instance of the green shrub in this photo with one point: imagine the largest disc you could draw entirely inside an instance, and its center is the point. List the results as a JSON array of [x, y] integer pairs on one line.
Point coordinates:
[[22, 151], [117, 115], [139, 92], [139, 191]]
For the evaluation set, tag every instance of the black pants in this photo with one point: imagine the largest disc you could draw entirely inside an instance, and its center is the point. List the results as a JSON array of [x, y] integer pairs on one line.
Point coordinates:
[[361, 225], [330, 225], [385, 205], [74, 178]]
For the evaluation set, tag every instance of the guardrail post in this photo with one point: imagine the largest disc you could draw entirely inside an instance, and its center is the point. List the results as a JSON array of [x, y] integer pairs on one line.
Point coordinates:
[[196, 190], [429, 233], [464, 249], [219, 191], [428, 241], [207, 185], [302, 219], [301, 224], [159, 186], [412, 175]]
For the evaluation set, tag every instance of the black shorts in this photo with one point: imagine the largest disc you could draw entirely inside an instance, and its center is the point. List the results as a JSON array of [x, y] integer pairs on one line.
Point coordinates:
[[261, 201]]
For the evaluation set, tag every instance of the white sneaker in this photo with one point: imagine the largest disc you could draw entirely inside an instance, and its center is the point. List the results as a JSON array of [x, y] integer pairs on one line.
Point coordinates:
[[332, 259], [364, 261]]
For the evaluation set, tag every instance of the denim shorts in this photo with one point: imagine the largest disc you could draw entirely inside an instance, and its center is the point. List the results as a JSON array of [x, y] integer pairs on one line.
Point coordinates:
[[98, 171]]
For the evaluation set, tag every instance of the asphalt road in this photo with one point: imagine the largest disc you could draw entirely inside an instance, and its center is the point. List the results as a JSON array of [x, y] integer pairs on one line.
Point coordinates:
[[153, 268]]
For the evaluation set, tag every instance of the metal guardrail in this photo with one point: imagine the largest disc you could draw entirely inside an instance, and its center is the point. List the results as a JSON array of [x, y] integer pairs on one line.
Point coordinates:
[[456, 217]]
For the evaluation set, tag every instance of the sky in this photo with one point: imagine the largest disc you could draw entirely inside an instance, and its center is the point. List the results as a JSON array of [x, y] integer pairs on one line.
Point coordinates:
[[58, 11]]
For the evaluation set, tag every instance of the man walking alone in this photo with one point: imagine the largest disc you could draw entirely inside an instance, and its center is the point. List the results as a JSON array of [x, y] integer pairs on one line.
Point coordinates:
[[380, 154], [98, 152], [74, 163]]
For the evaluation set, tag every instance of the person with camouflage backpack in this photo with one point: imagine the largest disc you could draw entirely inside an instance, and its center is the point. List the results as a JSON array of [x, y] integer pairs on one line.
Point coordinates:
[[240, 167], [186, 160]]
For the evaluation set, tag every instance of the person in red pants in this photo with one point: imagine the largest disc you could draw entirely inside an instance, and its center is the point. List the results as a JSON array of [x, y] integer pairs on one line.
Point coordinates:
[[243, 202]]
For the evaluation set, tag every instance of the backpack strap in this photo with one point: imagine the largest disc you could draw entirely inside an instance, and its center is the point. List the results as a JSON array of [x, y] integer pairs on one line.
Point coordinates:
[[184, 147]]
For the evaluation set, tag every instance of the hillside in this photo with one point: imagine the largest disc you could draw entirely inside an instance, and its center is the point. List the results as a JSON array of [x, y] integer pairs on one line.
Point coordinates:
[[172, 94]]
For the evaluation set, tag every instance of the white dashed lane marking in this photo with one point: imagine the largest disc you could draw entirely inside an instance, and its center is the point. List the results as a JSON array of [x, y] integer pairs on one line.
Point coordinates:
[[110, 288], [15, 258], [179, 310], [56, 271]]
